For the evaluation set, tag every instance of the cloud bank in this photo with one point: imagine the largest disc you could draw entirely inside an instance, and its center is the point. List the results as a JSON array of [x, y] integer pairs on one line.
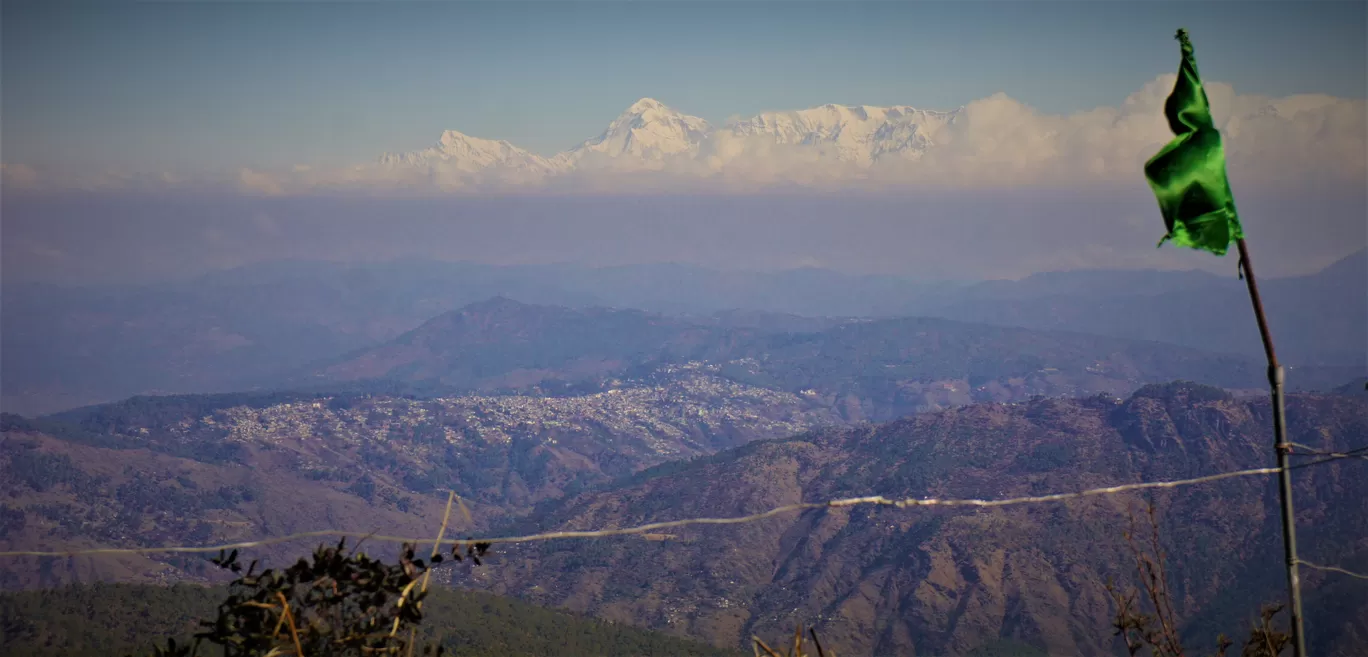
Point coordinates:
[[995, 142]]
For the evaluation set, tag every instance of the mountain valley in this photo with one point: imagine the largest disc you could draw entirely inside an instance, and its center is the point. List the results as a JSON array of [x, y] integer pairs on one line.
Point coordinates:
[[492, 329], [202, 470], [549, 416]]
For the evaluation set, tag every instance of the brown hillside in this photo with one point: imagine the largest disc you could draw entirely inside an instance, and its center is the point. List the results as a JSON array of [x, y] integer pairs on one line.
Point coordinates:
[[947, 582]]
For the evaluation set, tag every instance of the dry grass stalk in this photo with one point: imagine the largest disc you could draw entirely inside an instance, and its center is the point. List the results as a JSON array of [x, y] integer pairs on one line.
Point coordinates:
[[427, 576], [1158, 629], [797, 649]]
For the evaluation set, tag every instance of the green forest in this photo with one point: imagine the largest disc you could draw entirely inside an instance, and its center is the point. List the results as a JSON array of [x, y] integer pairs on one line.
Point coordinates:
[[104, 620]]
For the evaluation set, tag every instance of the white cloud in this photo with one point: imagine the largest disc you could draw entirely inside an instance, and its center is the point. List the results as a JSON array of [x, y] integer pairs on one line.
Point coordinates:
[[19, 176], [994, 142], [258, 183], [22, 177], [1000, 142]]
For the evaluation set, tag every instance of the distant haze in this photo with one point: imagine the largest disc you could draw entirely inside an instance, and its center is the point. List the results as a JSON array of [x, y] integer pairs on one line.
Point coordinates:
[[96, 238]]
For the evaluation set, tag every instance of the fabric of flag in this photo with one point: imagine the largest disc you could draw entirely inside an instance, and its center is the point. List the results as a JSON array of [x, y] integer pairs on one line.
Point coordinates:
[[1188, 175]]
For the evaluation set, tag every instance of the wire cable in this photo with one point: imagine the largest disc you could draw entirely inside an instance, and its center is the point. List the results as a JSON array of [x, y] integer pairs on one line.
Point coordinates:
[[1361, 452], [1329, 459], [1333, 569], [877, 500]]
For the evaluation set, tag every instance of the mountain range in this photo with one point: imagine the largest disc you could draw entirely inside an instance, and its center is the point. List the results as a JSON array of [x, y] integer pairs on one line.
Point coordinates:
[[254, 327], [994, 139], [514, 404], [648, 134], [197, 470], [863, 369], [551, 416]]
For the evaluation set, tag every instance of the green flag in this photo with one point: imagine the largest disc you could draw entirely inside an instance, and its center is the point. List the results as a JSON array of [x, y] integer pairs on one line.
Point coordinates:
[[1188, 175]]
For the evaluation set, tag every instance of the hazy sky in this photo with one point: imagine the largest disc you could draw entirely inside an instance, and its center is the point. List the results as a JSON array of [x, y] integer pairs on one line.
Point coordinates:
[[241, 92], [160, 86]]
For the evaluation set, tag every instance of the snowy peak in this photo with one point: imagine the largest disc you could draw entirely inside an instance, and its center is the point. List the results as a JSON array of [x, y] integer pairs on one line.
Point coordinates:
[[853, 133], [456, 144], [459, 151], [646, 105], [648, 130]]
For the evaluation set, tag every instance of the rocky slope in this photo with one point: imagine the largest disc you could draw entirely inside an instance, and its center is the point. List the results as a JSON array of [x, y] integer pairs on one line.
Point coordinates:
[[948, 582], [877, 581], [222, 468]]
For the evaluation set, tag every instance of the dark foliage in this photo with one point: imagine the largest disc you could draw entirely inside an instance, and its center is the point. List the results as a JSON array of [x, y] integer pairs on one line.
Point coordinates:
[[62, 429], [341, 603], [1183, 393], [145, 411], [1358, 386], [41, 472], [114, 619]]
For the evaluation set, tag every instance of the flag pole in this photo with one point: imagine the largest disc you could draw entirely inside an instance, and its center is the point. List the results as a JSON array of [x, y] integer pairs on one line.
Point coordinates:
[[1283, 448]]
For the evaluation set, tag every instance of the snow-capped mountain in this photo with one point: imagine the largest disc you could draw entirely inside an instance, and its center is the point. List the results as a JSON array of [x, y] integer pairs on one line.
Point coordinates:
[[462, 153], [994, 140], [860, 134], [648, 133]]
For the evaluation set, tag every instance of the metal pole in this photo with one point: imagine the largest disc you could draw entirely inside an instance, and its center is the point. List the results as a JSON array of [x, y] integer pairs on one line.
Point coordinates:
[[1280, 444]]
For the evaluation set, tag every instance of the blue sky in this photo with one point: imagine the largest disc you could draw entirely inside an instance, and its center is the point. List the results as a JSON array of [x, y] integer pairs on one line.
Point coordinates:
[[219, 85]]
